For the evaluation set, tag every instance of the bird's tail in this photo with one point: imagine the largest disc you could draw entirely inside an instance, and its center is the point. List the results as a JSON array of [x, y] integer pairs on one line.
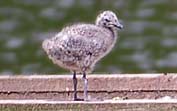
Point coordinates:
[[47, 45]]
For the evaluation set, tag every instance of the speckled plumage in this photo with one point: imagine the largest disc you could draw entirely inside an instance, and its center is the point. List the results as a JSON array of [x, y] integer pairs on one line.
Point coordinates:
[[78, 47]]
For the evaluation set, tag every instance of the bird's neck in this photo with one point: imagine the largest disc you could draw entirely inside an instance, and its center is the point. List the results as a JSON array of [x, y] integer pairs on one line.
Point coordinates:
[[111, 29], [113, 32]]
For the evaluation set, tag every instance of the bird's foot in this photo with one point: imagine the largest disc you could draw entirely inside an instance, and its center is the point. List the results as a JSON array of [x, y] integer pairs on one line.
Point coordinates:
[[78, 99]]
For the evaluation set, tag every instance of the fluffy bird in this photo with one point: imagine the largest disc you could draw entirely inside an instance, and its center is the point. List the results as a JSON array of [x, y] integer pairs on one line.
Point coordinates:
[[80, 46]]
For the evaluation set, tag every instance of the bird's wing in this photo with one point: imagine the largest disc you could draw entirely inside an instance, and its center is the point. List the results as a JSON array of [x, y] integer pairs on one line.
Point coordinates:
[[76, 46], [78, 42], [81, 46]]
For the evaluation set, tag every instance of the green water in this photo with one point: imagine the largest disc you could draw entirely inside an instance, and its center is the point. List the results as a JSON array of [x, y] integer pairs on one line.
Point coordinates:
[[147, 44]]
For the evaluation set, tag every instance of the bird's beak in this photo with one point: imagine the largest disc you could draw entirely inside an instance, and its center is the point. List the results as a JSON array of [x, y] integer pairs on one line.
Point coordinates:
[[119, 26]]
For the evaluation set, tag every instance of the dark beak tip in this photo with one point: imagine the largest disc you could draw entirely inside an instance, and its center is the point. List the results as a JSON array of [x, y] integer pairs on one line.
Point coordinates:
[[120, 26]]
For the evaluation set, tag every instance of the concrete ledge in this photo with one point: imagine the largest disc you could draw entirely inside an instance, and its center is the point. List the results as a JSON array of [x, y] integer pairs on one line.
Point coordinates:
[[121, 105], [116, 92], [101, 87]]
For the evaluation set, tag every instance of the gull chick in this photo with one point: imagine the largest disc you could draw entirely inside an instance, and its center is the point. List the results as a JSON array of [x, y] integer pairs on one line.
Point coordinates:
[[80, 46]]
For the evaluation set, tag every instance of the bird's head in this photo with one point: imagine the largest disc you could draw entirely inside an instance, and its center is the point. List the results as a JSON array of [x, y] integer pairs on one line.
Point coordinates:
[[108, 19]]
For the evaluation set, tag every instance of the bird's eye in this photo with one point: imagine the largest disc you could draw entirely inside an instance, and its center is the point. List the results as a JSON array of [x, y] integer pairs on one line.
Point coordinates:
[[107, 20]]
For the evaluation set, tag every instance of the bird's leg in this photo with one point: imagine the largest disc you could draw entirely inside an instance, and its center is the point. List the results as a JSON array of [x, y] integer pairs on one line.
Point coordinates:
[[85, 86], [75, 86]]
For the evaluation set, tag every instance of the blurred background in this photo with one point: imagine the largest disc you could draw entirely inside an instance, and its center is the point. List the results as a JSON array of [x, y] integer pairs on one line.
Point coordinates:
[[147, 44]]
